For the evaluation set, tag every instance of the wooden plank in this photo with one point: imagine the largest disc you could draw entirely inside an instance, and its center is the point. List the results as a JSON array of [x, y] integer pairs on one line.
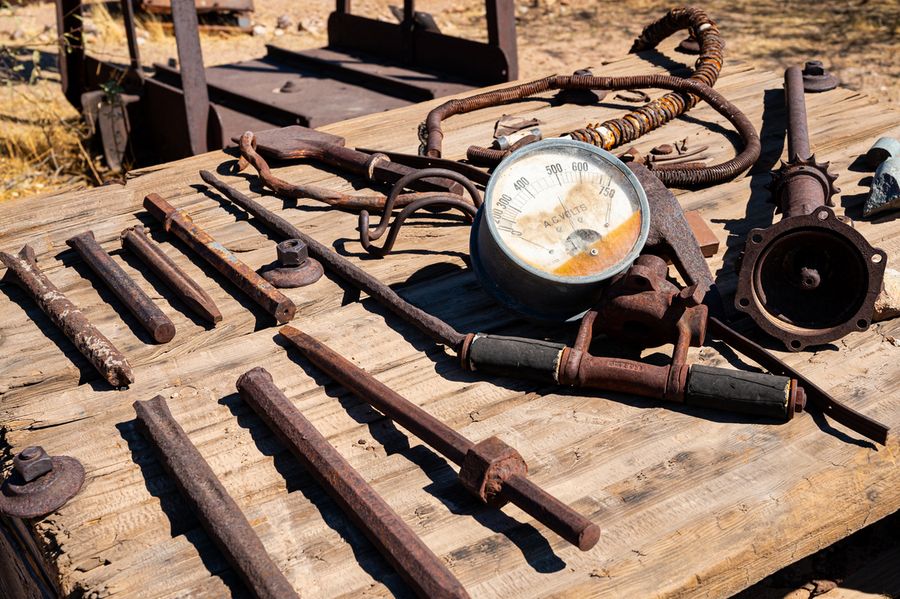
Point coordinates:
[[690, 502]]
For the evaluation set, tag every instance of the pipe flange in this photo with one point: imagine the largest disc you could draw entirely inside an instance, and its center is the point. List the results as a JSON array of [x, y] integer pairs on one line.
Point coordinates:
[[800, 167], [35, 498], [809, 279], [294, 267], [289, 277]]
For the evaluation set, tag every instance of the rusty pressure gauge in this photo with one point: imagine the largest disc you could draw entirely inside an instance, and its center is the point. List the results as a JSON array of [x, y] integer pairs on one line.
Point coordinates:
[[560, 217]]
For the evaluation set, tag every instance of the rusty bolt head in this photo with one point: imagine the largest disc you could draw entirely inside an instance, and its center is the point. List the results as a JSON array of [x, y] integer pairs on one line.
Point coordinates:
[[32, 463], [292, 252], [814, 67]]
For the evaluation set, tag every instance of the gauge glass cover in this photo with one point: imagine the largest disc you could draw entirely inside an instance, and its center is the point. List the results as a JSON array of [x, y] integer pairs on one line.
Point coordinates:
[[567, 210]]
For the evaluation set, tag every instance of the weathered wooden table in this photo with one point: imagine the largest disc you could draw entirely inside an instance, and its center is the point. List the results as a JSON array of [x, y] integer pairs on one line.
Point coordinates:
[[690, 502]]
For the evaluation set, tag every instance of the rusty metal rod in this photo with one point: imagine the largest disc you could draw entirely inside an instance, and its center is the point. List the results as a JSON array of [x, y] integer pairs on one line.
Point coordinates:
[[136, 240], [422, 570], [217, 255], [798, 129], [117, 280], [215, 508], [431, 326], [542, 506], [93, 345]]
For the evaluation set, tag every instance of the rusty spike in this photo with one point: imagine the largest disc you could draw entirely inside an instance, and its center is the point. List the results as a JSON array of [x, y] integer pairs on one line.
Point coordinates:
[[136, 240], [217, 255], [500, 475], [92, 344], [395, 540], [217, 511], [117, 280]]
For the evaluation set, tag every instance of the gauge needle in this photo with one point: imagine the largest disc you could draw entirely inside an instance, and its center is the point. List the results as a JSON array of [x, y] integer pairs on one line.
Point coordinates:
[[608, 212], [536, 244], [571, 224]]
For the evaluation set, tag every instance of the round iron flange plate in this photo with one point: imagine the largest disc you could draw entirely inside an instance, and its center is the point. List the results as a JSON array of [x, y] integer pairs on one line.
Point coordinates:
[[43, 495], [843, 304]]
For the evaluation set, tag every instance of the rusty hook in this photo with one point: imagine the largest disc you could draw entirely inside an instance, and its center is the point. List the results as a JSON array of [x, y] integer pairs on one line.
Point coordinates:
[[367, 234]]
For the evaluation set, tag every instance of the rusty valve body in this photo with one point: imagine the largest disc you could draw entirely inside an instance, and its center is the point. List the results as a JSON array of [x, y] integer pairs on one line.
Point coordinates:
[[810, 278]]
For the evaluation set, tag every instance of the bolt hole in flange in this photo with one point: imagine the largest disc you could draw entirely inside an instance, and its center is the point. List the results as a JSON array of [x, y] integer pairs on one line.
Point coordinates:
[[877, 258], [795, 343], [744, 302], [756, 238], [862, 324]]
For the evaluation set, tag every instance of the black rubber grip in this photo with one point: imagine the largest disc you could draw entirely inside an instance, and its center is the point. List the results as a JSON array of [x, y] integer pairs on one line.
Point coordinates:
[[516, 357], [754, 393]]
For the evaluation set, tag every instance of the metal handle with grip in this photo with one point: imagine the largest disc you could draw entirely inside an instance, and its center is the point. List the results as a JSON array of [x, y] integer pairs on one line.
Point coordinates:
[[753, 393], [514, 356]]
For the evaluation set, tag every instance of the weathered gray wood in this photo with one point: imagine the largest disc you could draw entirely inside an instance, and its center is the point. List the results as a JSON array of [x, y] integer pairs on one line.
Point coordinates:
[[690, 503]]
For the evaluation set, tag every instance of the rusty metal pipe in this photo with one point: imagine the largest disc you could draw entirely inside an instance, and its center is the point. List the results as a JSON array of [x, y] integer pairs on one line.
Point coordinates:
[[217, 511], [431, 326], [422, 570], [217, 255], [136, 240], [93, 345], [798, 130], [117, 280], [490, 469]]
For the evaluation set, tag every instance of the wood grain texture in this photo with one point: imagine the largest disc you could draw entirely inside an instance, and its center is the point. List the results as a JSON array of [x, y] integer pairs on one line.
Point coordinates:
[[691, 503]]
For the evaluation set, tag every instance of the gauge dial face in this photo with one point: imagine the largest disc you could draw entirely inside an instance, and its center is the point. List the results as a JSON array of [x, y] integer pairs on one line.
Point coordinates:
[[568, 210]]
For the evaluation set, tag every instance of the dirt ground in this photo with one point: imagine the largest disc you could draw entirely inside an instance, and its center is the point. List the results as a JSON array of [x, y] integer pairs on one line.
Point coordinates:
[[43, 146]]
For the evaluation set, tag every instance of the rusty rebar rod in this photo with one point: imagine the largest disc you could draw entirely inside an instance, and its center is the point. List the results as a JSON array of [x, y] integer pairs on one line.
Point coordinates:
[[93, 345], [422, 570], [117, 280], [433, 327], [215, 508], [217, 255], [136, 240], [491, 470]]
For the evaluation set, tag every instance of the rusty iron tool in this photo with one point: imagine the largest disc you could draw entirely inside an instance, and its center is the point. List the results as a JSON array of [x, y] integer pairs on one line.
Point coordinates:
[[491, 470], [640, 306], [217, 255], [810, 278], [294, 267], [117, 280], [815, 396], [422, 570], [39, 484], [297, 142], [214, 507], [136, 240], [23, 270], [337, 265]]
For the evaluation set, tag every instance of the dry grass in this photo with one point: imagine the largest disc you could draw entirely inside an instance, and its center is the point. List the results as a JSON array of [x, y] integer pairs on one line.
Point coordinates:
[[42, 141]]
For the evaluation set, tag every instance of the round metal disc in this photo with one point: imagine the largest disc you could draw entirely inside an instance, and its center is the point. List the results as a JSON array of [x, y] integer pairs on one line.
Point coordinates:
[[289, 277], [43, 495]]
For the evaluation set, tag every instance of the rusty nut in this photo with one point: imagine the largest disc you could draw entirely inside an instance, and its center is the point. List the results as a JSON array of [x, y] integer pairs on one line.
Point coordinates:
[[487, 465], [292, 252], [32, 463]]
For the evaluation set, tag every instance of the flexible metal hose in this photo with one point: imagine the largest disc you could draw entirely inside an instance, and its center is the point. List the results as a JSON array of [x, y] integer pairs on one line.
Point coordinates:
[[614, 132]]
